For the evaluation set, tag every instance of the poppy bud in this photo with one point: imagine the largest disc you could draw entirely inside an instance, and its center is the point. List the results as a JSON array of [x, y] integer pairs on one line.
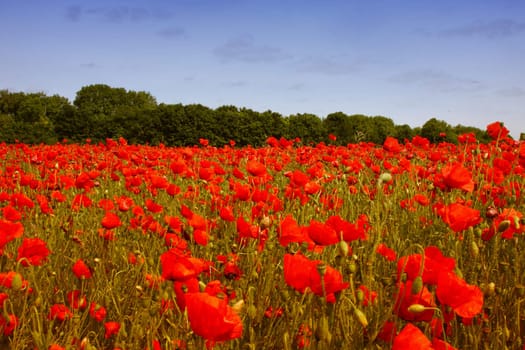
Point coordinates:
[[474, 249], [361, 317], [323, 332], [352, 267], [417, 285], [360, 296], [504, 225], [17, 282], [252, 311], [343, 248], [416, 308]]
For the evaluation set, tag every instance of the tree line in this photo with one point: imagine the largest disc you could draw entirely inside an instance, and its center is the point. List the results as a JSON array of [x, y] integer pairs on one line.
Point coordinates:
[[99, 112]]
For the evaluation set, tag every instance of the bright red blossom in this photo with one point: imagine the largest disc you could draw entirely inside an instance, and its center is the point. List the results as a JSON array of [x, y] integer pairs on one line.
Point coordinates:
[[212, 318], [81, 270], [32, 251]]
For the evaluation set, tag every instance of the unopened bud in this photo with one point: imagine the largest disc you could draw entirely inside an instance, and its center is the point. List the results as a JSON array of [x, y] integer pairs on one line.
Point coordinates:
[[361, 317], [416, 308], [417, 285], [352, 267], [252, 311], [17, 281], [360, 296], [504, 225], [343, 248], [474, 249], [323, 332]]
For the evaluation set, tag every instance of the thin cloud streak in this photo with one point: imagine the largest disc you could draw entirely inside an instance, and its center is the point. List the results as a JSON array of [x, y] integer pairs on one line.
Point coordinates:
[[496, 29], [436, 81], [244, 49]]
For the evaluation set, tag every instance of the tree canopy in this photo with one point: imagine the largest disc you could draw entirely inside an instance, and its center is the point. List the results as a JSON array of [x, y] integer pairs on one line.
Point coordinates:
[[100, 112]]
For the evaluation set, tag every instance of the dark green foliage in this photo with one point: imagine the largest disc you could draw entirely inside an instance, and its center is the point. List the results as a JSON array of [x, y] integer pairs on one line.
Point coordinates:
[[100, 112]]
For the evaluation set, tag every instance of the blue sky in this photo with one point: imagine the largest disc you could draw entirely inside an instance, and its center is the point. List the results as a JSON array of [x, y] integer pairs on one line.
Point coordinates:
[[458, 61]]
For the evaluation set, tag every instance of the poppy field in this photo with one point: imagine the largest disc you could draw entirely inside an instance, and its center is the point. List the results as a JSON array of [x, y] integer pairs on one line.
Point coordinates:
[[403, 245]]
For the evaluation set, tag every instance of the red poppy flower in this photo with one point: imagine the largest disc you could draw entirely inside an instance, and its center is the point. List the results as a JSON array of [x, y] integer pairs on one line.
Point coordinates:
[[59, 312], [81, 270], [11, 213], [322, 234], [255, 168], [175, 266], [111, 328], [81, 201], [111, 221], [290, 231], [97, 312], [9, 231], [435, 263], [391, 144], [106, 204], [411, 337], [458, 217], [212, 318], [8, 323], [465, 299], [189, 285], [32, 251], [388, 253], [153, 207], [457, 176], [76, 300], [226, 213], [497, 130], [301, 273]]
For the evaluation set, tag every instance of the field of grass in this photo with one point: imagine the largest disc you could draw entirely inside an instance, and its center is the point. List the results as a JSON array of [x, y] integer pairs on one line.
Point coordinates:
[[402, 245]]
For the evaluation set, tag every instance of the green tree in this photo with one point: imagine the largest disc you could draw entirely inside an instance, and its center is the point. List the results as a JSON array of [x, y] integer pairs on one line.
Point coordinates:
[[438, 131], [380, 128], [404, 132], [338, 125], [102, 110], [308, 127]]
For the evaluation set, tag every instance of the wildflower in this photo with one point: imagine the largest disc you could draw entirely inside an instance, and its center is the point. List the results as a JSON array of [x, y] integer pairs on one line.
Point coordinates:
[[465, 299], [9, 231], [59, 312], [97, 312], [212, 318], [81, 270], [32, 251], [111, 221], [111, 328], [411, 337]]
